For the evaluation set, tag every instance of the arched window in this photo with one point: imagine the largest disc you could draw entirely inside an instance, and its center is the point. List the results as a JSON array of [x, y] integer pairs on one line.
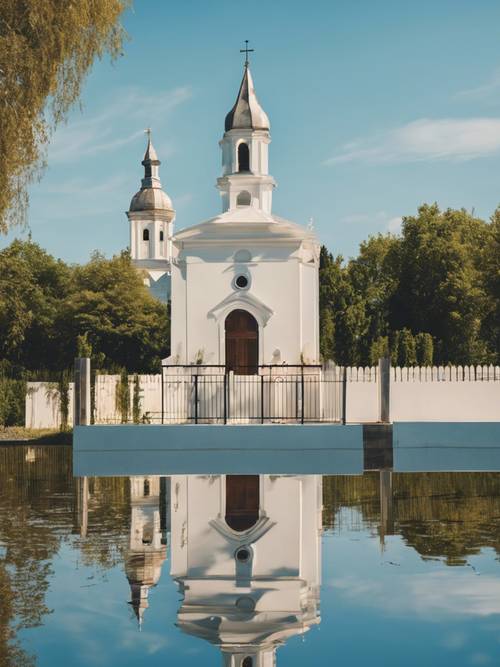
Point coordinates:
[[145, 235], [244, 198], [161, 236], [243, 157], [242, 501], [146, 488], [247, 662]]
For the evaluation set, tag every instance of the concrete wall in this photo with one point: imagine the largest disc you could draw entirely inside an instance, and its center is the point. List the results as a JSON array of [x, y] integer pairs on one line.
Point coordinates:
[[362, 401], [43, 407], [106, 410], [454, 394], [445, 394]]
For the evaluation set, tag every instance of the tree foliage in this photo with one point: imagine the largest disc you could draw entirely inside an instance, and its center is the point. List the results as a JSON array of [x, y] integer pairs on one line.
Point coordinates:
[[51, 312], [430, 295], [46, 50]]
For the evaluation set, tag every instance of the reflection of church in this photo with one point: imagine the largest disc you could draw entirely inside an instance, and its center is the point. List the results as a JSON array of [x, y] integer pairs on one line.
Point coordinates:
[[245, 551], [147, 550]]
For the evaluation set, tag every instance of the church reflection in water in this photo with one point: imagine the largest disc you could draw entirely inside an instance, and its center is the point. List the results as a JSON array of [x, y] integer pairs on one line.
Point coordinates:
[[245, 552], [147, 548]]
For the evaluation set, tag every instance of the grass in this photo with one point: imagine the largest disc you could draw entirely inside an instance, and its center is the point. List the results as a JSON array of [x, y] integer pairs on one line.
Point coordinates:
[[49, 436]]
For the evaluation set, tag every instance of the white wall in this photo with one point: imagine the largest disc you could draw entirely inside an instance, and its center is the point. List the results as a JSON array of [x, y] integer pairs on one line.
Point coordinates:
[[106, 411], [363, 400], [43, 405], [445, 394], [452, 394]]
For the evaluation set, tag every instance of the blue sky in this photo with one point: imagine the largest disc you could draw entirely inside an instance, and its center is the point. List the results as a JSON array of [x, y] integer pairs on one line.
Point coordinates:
[[375, 108]]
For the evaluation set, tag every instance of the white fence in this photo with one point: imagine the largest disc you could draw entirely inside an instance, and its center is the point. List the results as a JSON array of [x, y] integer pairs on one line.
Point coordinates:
[[448, 393], [43, 405]]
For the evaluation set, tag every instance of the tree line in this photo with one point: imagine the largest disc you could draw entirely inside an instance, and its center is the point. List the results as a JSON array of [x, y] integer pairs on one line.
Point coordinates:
[[429, 295], [51, 311]]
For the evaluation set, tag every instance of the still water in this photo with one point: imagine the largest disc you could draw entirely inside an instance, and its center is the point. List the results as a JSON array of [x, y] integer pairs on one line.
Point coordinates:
[[381, 568]]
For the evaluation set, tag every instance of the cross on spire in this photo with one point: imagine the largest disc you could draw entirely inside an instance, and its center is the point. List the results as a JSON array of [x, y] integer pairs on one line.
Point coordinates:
[[246, 51]]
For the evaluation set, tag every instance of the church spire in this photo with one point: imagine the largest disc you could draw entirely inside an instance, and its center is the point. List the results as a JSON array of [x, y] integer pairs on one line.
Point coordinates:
[[245, 179], [151, 165], [247, 114]]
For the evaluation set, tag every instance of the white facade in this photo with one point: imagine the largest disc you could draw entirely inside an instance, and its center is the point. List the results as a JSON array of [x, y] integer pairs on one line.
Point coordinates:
[[245, 259], [247, 606], [151, 217]]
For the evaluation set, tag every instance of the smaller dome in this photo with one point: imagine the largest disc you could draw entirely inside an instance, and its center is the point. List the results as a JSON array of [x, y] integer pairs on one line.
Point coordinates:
[[151, 199]]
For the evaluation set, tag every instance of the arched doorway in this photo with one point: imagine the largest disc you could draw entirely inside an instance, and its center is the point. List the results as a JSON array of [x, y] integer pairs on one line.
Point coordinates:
[[242, 343], [242, 501]]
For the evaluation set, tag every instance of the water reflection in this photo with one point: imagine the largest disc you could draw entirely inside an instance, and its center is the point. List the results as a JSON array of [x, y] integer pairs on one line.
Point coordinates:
[[247, 588], [243, 552], [147, 549]]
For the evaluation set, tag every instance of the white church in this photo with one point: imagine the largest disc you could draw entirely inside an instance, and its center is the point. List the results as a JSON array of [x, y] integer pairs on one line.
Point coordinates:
[[243, 285]]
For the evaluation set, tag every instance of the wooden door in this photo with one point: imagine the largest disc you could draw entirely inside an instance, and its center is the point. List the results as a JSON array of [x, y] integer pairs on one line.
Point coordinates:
[[242, 501], [242, 343]]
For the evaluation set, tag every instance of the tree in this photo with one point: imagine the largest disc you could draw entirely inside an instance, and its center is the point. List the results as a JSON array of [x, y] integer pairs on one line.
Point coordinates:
[[407, 353], [109, 304], [374, 280], [378, 349], [345, 310], [440, 288], [32, 286], [424, 349], [51, 312], [46, 50], [491, 268]]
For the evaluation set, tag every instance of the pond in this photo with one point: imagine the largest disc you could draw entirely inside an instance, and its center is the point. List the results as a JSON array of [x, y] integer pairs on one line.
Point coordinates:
[[382, 567]]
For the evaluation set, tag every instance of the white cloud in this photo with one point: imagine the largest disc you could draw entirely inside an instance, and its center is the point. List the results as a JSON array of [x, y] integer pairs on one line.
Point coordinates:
[[482, 91], [426, 140], [394, 225], [434, 595], [381, 220], [98, 133]]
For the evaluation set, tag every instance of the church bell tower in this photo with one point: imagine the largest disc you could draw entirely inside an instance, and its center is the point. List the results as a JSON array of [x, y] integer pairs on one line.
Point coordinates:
[[245, 179], [151, 215]]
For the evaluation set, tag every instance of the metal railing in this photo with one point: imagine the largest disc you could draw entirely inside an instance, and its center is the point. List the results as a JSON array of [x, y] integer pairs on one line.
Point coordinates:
[[268, 394]]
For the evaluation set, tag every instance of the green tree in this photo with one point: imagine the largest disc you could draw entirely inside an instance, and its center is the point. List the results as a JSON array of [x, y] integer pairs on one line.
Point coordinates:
[[50, 312], [124, 324], [46, 50], [491, 276], [345, 307], [373, 280], [407, 353], [378, 349], [440, 288], [424, 349], [32, 286]]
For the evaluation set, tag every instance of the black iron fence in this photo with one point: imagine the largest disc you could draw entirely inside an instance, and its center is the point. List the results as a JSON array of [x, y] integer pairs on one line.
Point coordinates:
[[267, 394]]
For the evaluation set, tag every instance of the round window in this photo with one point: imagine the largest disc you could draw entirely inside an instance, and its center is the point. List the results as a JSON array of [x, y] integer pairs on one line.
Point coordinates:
[[241, 282], [243, 554]]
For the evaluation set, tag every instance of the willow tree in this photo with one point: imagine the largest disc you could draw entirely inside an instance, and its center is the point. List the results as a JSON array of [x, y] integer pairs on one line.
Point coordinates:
[[46, 50]]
